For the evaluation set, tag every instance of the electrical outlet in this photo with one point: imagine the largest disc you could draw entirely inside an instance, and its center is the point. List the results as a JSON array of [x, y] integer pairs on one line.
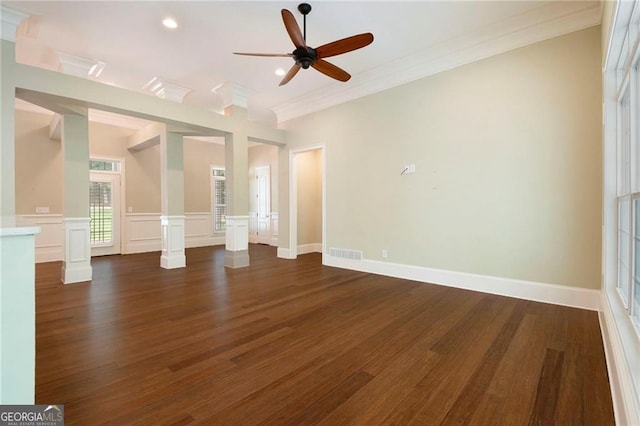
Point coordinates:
[[385, 254], [42, 210]]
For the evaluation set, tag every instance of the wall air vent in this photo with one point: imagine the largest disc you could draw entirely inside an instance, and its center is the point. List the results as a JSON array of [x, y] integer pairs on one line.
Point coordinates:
[[346, 253]]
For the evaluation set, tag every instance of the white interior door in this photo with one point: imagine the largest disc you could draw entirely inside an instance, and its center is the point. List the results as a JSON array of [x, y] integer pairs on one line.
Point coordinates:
[[104, 210], [263, 180]]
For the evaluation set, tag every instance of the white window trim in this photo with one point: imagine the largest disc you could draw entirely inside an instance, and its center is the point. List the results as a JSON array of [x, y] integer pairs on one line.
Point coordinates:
[[620, 329]]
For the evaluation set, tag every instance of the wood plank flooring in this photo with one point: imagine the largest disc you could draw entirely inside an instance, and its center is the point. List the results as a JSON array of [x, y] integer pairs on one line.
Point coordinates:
[[294, 342]]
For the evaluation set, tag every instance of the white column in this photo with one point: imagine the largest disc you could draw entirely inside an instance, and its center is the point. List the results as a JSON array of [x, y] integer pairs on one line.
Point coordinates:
[[172, 198], [77, 238], [7, 136], [17, 315], [237, 188]]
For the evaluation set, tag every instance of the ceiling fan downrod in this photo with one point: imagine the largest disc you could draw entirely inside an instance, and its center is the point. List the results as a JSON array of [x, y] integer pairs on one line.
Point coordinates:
[[304, 8]]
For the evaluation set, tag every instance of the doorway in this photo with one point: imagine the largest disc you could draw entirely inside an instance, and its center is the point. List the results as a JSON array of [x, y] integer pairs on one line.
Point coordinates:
[[307, 201], [104, 211], [263, 199]]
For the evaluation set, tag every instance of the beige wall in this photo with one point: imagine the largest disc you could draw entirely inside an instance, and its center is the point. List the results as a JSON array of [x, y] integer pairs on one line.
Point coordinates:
[[142, 168], [309, 196], [39, 166], [199, 156], [259, 156], [508, 166]]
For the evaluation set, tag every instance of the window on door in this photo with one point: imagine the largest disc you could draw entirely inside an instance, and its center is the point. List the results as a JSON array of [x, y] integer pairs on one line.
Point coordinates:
[[104, 206], [101, 212], [219, 196]]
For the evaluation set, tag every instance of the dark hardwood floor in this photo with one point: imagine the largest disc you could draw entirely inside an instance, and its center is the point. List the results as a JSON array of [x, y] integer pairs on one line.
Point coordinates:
[[294, 342]]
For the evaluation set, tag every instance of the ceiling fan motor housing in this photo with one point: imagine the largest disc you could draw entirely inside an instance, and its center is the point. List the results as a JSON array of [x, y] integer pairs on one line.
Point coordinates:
[[305, 56]]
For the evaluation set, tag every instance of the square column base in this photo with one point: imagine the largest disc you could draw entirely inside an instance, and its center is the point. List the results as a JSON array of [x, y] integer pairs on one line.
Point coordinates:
[[173, 255], [76, 267], [237, 242], [236, 259]]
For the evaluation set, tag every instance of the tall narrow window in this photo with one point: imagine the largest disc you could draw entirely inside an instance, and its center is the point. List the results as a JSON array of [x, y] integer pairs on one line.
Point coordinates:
[[626, 244], [219, 200]]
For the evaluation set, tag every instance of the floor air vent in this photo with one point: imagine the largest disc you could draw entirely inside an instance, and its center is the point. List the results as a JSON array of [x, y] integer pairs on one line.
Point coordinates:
[[346, 254]]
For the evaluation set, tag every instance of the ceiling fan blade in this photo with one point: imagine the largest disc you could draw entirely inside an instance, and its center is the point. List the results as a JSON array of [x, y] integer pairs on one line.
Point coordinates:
[[331, 70], [344, 45], [278, 55], [293, 29], [292, 72]]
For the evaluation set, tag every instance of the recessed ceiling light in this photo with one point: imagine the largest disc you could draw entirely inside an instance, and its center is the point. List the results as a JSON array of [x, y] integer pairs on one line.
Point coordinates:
[[170, 23], [280, 72]]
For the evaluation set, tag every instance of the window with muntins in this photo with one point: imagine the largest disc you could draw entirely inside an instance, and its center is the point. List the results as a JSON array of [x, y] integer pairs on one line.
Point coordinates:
[[104, 165], [219, 200], [628, 184]]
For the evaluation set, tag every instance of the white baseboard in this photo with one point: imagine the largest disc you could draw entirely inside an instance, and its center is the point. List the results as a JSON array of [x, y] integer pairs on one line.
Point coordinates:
[[284, 253], [528, 290], [626, 406], [310, 248], [203, 241]]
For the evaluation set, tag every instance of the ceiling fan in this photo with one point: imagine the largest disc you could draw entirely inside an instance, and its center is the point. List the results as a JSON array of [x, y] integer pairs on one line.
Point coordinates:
[[305, 56]]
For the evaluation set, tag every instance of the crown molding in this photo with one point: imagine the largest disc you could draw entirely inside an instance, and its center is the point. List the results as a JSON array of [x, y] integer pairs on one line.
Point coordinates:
[[79, 66], [10, 21], [551, 20]]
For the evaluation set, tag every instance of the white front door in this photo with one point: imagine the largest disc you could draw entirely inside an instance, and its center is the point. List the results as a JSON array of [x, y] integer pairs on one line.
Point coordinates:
[[104, 210], [263, 180]]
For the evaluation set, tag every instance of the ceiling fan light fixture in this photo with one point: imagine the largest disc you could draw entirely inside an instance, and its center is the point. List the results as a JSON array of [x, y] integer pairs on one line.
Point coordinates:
[[305, 56], [170, 23], [280, 72]]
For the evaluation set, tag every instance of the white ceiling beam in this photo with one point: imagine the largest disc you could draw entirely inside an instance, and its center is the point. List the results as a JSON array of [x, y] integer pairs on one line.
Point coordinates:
[[146, 137], [53, 89]]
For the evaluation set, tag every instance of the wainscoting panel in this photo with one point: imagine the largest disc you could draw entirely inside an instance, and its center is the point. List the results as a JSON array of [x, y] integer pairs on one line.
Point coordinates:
[[199, 230], [144, 232], [253, 227], [49, 243]]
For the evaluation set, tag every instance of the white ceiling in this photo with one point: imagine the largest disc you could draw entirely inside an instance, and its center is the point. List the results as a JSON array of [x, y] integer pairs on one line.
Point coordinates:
[[412, 40]]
